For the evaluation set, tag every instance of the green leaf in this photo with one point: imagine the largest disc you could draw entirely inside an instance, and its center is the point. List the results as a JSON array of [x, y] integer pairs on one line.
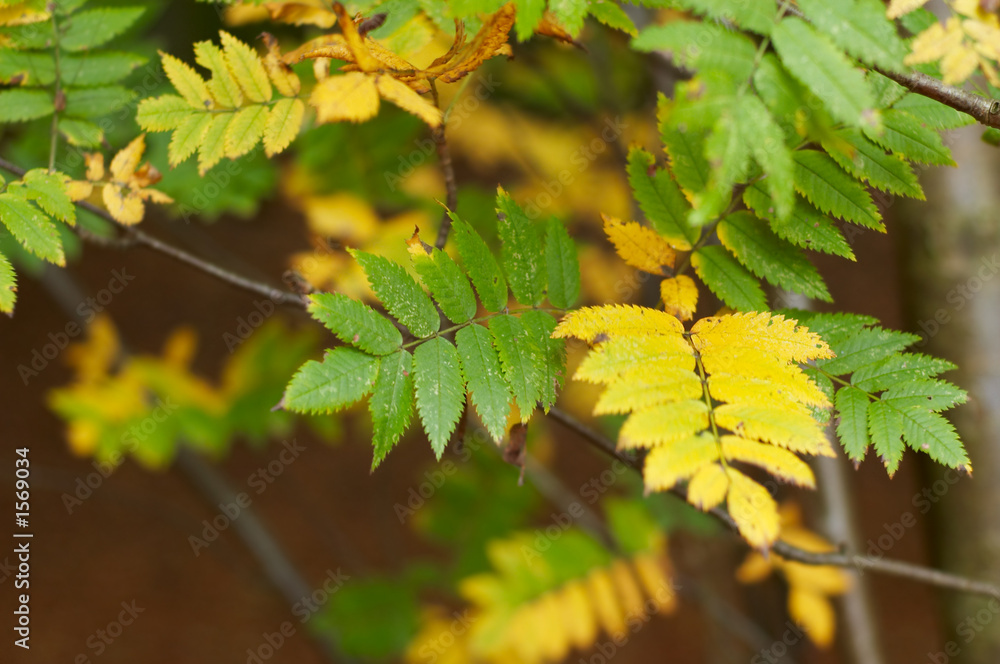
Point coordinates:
[[660, 199], [687, 159], [355, 323], [729, 280], [48, 190], [927, 394], [93, 27], [824, 184], [825, 70], [22, 105], [852, 426], [611, 15], [865, 160], [446, 281], [343, 378], [933, 113], [782, 93], [520, 360], [440, 390], [82, 133], [861, 28], [897, 368], [391, 404], [718, 49], [806, 227], [886, 91], [834, 328], [929, 432], [400, 293], [522, 251], [31, 228], [96, 102], [163, 113], [885, 426], [770, 257], [487, 387], [767, 145], [480, 264], [757, 16], [26, 68], [868, 346], [8, 286], [529, 13], [563, 266], [540, 326], [98, 68], [570, 13], [903, 133]]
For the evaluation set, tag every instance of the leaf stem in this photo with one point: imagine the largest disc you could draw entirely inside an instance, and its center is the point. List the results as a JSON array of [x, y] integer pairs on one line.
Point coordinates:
[[58, 100]]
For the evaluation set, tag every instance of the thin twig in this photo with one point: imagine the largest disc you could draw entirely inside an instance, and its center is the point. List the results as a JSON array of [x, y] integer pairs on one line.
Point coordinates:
[[886, 566], [135, 237], [451, 187]]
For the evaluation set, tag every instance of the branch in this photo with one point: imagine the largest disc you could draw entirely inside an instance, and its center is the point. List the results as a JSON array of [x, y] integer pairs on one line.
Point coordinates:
[[985, 111], [451, 187], [886, 566], [135, 237]]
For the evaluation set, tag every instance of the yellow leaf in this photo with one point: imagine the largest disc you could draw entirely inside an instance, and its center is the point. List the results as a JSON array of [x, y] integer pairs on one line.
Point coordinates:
[[708, 487], [352, 97], [749, 375], [635, 358], [21, 13], [663, 387], [186, 81], [609, 611], [285, 80], [355, 42], [615, 320], [224, 89], [491, 40], [408, 100], [632, 600], [778, 462], [958, 65], [898, 8], [664, 424], [283, 124], [680, 296], [666, 465], [652, 569], [245, 130], [754, 568], [578, 618], [154, 196], [247, 69], [753, 510], [212, 148], [94, 358], [814, 612], [770, 333], [79, 190], [127, 160], [301, 13], [793, 431], [123, 204], [639, 246], [95, 166], [935, 42]]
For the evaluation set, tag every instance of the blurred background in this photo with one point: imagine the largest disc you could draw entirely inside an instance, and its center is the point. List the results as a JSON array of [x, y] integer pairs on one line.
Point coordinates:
[[384, 555]]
